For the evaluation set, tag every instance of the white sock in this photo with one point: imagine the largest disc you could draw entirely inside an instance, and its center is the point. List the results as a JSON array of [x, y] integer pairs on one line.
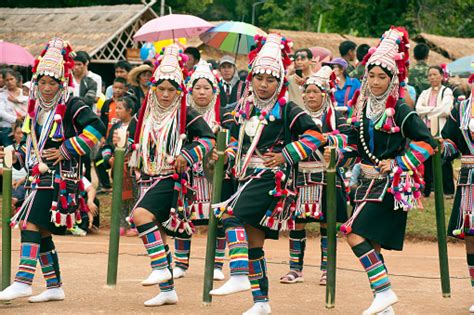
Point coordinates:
[[218, 274], [16, 290], [53, 294], [382, 300], [259, 308], [235, 284], [178, 273], [157, 276], [169, 297]]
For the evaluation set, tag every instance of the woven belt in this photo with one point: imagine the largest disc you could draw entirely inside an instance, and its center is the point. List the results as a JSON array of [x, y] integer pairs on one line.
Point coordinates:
[[467, 161], [256, 162], [310, 167], [370, 172]]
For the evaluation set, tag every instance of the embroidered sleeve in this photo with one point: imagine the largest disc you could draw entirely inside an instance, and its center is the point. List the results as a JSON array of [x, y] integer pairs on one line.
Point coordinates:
[[231, 150], [422, 145], [91, 131], [204, 138], [418, 152], [303, 127]]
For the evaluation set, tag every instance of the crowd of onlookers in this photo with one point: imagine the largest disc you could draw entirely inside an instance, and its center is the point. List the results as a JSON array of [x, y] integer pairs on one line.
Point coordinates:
[[429, 91]]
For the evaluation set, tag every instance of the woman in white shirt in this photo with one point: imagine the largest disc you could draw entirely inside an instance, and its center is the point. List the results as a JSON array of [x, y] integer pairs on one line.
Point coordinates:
[[434, 106], [13, 105]]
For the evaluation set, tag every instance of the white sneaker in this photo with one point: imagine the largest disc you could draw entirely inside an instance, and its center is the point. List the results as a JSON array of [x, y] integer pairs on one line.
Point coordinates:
[[218, 274], [259, 308], [233, 285], [178, 273], [77, 231], [471, 309], [53, 294], [157, 277], [388, 311], [16, 290], [381, 301], [163, 298]]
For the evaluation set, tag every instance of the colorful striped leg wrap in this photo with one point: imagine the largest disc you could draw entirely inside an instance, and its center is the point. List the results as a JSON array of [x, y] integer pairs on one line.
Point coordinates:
[[220, 248], [324, 249], [168, 285], [238, 246], [151, 237], [182, 250], [49, 263], [470, 265], [29, 252], [258, 275], [373, 265], [297, 248]]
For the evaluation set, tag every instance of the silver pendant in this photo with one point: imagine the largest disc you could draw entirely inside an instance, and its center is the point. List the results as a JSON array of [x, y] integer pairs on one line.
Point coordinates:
[[251, 126]]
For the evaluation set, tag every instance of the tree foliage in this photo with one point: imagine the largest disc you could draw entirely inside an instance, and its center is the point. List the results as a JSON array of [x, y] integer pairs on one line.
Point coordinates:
[[358, 17]]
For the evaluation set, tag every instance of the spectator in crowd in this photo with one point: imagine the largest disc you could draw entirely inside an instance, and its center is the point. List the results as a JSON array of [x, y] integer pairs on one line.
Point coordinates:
[[97, 78], [13, 105], [434, 106], [419, 71], [25, 87], [139, 77], [90, 216], [359, 70], [347, 50], [126, 118], [302, 60], [84, 86], [231, 87], [2, 81], [121, 68], [193, 57], [18, 176], [346, 86]]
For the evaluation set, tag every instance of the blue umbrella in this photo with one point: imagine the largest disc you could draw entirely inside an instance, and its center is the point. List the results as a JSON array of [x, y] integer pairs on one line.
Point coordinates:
[[462, 66]]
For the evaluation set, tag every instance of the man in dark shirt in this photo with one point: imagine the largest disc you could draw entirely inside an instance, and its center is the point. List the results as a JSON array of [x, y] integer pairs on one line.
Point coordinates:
[[231, 87]]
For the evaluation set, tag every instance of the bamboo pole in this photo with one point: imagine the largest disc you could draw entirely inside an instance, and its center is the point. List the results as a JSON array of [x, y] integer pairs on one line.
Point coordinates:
[[114, 237], [6, 214], [211, 231], [441, 224], [331, 211]]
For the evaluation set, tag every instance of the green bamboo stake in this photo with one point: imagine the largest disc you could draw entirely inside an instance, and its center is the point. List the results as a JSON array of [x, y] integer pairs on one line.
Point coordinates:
[[441, 224], [6, 214], [211, 230], [331, 211], [114, 238]]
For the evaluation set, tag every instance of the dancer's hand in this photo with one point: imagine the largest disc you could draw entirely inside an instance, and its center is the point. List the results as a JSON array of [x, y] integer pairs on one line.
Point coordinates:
[[92, 207], [273, 159], [180, 164], [53, 155], [327, 154], [215, 156], [385, 166]]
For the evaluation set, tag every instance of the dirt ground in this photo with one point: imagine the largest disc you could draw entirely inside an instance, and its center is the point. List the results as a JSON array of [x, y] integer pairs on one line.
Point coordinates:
[[414, 274]]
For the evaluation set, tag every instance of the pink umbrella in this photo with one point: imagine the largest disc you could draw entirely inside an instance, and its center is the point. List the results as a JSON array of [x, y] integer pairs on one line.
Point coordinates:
[[172, 26], [11, 54]]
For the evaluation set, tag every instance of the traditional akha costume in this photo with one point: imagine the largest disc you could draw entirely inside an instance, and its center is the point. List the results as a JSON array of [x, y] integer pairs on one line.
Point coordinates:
[[383, 125], [55, 194], [262, 199], [459, 135], [163, 134], [311, 205], [215, 116]]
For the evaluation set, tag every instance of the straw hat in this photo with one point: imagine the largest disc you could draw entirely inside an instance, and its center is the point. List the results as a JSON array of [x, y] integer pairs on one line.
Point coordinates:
[[135, 72]]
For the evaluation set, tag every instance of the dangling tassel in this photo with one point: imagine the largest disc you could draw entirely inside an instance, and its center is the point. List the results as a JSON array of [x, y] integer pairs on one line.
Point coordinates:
[[26, 125]]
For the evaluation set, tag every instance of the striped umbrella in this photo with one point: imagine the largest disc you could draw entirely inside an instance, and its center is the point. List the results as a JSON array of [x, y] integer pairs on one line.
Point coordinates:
[[235, 37]]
